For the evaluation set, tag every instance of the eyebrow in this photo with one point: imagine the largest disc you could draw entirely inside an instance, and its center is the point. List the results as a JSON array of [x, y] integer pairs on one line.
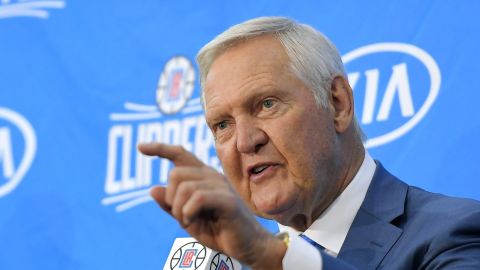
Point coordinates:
[[265, 91], [246, 100]]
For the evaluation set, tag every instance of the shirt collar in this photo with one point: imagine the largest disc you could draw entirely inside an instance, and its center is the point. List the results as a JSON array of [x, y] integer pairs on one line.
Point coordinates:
[[331, 228]]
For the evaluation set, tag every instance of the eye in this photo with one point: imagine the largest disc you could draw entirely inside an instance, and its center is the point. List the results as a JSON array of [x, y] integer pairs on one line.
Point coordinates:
[[268, 103], [221, 125]]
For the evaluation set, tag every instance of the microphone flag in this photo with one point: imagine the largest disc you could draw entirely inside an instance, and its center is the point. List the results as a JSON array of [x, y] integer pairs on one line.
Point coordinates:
[[189, 254]]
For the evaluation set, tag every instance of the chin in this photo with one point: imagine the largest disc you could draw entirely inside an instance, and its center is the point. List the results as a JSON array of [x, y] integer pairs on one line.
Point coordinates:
[[279, 213], [280, 218], [283, 219]]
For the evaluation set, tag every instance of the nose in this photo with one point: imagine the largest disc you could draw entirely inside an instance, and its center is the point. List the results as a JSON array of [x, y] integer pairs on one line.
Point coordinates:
[[250, 137]]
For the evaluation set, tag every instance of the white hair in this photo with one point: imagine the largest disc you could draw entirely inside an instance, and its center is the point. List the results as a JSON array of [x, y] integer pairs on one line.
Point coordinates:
[[313, 58]]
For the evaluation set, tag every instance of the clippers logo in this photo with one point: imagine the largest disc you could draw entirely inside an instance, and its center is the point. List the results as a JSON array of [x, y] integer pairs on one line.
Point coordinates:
[[222, 266], [221, 262], [187, 259], [188, 256], [15, 133], [28, 8], [395, 84], [129, 174], [176, 84]]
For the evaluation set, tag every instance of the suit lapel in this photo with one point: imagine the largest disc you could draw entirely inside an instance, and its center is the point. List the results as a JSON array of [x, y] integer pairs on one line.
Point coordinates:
[[372, 235]]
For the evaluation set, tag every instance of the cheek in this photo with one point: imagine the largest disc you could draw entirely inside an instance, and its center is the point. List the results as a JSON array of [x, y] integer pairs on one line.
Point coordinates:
[[232, 168], [307, 146]]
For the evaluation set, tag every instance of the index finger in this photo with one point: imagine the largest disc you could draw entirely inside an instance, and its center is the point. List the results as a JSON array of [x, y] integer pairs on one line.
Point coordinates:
[[175, 153]]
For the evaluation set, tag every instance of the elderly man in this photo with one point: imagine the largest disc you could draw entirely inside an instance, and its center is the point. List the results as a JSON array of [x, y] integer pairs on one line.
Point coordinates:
[[281, 111]]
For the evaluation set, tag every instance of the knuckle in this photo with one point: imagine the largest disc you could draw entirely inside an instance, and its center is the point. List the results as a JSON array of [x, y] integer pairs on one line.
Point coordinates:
[[175, 175], [175, 212], [200, 197], [211, 172], [180, 149], [204, 170], [185, 189]]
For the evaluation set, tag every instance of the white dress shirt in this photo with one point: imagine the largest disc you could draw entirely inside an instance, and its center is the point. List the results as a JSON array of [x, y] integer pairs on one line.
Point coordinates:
[[331, 228]]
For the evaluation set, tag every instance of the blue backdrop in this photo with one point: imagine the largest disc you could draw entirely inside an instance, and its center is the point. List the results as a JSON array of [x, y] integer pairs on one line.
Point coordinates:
[[81, 82]]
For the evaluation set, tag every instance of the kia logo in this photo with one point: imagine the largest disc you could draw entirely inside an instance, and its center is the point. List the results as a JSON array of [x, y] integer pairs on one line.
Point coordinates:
[[397, 104]]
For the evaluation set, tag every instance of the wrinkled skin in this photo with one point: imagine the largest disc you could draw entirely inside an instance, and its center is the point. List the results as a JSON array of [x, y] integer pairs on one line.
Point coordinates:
[[284, 157]]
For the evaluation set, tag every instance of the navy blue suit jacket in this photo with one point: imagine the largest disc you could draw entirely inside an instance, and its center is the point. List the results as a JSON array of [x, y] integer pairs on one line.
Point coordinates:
[[404, 227]]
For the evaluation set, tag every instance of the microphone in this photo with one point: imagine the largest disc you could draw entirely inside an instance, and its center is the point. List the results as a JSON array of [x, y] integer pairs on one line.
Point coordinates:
[[187, 253]]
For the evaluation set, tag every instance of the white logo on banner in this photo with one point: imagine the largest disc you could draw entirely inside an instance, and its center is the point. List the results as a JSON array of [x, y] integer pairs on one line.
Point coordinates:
[[175, 86], [399, 84], [8, 169], [28, 8], [129, 174]]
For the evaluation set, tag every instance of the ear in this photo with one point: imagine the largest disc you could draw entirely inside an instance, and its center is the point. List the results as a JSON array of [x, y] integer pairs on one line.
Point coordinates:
[[342, 103]]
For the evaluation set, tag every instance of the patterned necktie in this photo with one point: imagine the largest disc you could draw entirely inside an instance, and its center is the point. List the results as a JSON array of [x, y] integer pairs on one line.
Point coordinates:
[[311, 242]]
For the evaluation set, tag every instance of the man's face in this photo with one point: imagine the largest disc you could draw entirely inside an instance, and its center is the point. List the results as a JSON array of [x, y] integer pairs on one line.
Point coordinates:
[[277, 147]]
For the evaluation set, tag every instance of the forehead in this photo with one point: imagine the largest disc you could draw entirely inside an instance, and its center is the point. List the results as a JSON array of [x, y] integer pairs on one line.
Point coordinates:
[[252, 63], [253, 51]]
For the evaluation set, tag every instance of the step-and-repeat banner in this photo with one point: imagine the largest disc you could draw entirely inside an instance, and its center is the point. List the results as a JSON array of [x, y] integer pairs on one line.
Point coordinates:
[[82, 82]]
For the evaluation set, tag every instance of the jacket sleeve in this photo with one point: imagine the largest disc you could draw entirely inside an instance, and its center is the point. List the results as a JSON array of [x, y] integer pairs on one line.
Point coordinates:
[[458, 247]]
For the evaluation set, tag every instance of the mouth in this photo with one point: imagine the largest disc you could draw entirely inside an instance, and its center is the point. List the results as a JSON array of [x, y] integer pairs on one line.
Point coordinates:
[[258, 171]]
